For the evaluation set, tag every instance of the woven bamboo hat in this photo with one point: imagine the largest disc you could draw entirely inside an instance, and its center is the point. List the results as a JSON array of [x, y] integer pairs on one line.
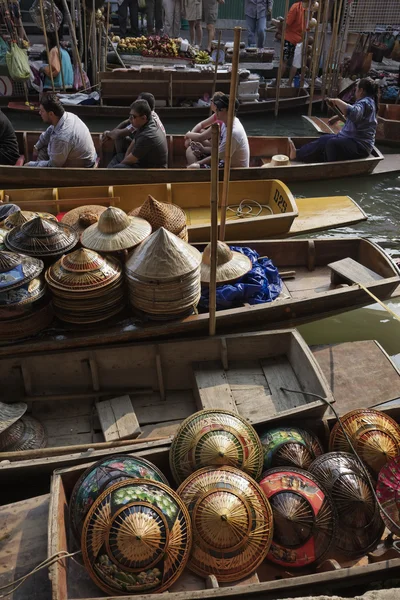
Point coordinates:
[[136, 538], [115, 231], [360, 526], [28, 324], [161, 214], [17, 269], [100, 476], [82, 217], [388, 492], [285, 446], [230, 265], [41, 237], [10, 413], [26, 434], [21, 296], [6, 210], [214, 438], [163, 257], [304, 517], [231, 520], [374, 435], [23, 216]]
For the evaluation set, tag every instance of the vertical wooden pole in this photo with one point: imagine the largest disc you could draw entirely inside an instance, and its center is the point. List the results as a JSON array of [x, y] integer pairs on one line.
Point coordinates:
[[85, 35], [314, 59], [46, 41], [279, 74], [321, 52], [212, 290], [305, 48], [94, 44], [58, 44], [214, 87], [74, 41], [229, 125]]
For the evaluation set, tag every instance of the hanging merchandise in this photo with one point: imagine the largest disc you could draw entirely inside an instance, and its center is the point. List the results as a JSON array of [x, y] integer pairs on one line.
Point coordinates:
[[3, 51], [78, 85], [17, 63], [35, 13], [259, 285]]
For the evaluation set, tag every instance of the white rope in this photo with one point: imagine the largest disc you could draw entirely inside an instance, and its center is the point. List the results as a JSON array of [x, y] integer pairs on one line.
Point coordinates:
[[245, 208]]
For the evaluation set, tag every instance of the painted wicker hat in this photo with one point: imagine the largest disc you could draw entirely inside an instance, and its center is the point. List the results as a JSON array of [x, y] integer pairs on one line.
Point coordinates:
[[115, 231], [6, 210], [388, 492], [23, 216], [42, 238], [304, 517], [10, 413], [374, 435], [136, 538], [161, 214], [360, 526], [231, 520], [28, 324], [82, 217], [24, 294], [25, 434], [163, 257], [290, 446], [100, 476], [17, 269], [215, 438], [230, 265]]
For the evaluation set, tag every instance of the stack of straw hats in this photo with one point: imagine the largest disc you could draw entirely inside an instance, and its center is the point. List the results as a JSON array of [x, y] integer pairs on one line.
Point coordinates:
[[230, 265], [19, 431], [115, 231], [82, 217], [86, 287], [163, 276], [160, 214], [23, 216], [6, 210], [41, 238], [25, 307]]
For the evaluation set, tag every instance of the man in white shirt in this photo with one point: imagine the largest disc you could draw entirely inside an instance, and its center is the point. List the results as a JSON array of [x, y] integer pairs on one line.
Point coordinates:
[[66, 143], [123, 133], [240, 151]]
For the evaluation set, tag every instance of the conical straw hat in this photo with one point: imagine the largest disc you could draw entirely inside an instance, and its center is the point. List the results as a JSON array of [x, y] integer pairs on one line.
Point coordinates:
[[162, 257], [17, 269], [161, 214], [115, 231], [6, 210], [41, 237], [82, 217], [230, 265], [10, 413]]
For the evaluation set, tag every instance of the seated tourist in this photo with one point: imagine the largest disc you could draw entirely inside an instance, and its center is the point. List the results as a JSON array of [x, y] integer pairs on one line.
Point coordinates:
[[198, 140], [148, 149], [66, 143], [240, 151], [355, 140], [123, 133], [9, 152]]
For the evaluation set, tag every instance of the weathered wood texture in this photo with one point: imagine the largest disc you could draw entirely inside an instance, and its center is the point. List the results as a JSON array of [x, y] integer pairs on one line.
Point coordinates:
[[351, 271], [118, 419]]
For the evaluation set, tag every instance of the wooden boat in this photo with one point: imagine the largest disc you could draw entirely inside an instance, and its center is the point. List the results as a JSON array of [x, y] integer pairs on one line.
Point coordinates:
[[312, 292], [388, 130], [280, 214], [262, 149], [290, 98], [166, 382]]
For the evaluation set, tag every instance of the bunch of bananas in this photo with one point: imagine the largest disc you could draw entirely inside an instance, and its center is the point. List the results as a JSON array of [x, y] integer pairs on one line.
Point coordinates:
[[202, 58]]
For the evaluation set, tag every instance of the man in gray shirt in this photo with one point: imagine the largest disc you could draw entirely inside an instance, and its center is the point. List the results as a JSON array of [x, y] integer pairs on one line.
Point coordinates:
[[66, 143], [149, 149]]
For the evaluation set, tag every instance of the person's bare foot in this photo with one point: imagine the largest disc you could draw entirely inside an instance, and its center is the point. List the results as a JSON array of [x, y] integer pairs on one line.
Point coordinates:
[[292, 150]]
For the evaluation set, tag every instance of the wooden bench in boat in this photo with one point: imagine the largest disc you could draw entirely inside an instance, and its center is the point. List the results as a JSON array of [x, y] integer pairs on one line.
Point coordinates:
[[351, 271], [118, 419]]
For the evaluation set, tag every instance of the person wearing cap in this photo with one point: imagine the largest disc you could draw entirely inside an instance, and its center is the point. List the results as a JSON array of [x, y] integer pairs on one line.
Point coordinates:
[[240, 150], [122, 135], [148, 149], [66, 142]]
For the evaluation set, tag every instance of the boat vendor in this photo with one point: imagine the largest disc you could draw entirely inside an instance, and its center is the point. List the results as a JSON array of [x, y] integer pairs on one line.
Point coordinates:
[[9, 151], [240, 151], [123, 133], [356, 139], [66, 143], [198, 140], [149, 149], [56, 63]]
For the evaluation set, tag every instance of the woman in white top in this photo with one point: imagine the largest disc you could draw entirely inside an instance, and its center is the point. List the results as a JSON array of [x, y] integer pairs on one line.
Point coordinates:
[[240, 151]]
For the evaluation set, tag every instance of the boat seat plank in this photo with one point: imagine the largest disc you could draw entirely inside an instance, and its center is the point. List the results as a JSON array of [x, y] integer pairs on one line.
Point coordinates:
[[162, 430], [360, 374], [56, 441], [23, 545], [340, 211], [250, 391], [279, 373], [150, 408], [211, 387], [351, 271], [118, 419]]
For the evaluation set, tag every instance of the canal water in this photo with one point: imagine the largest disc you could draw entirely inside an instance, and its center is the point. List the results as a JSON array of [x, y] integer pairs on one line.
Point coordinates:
[[378, 196]]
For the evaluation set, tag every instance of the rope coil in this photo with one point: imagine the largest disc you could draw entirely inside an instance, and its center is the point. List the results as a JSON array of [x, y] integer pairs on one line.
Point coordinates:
[[245, 208]]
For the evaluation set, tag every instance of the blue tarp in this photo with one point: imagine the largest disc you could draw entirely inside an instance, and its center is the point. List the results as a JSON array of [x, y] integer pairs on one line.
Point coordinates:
[[261, 284]]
